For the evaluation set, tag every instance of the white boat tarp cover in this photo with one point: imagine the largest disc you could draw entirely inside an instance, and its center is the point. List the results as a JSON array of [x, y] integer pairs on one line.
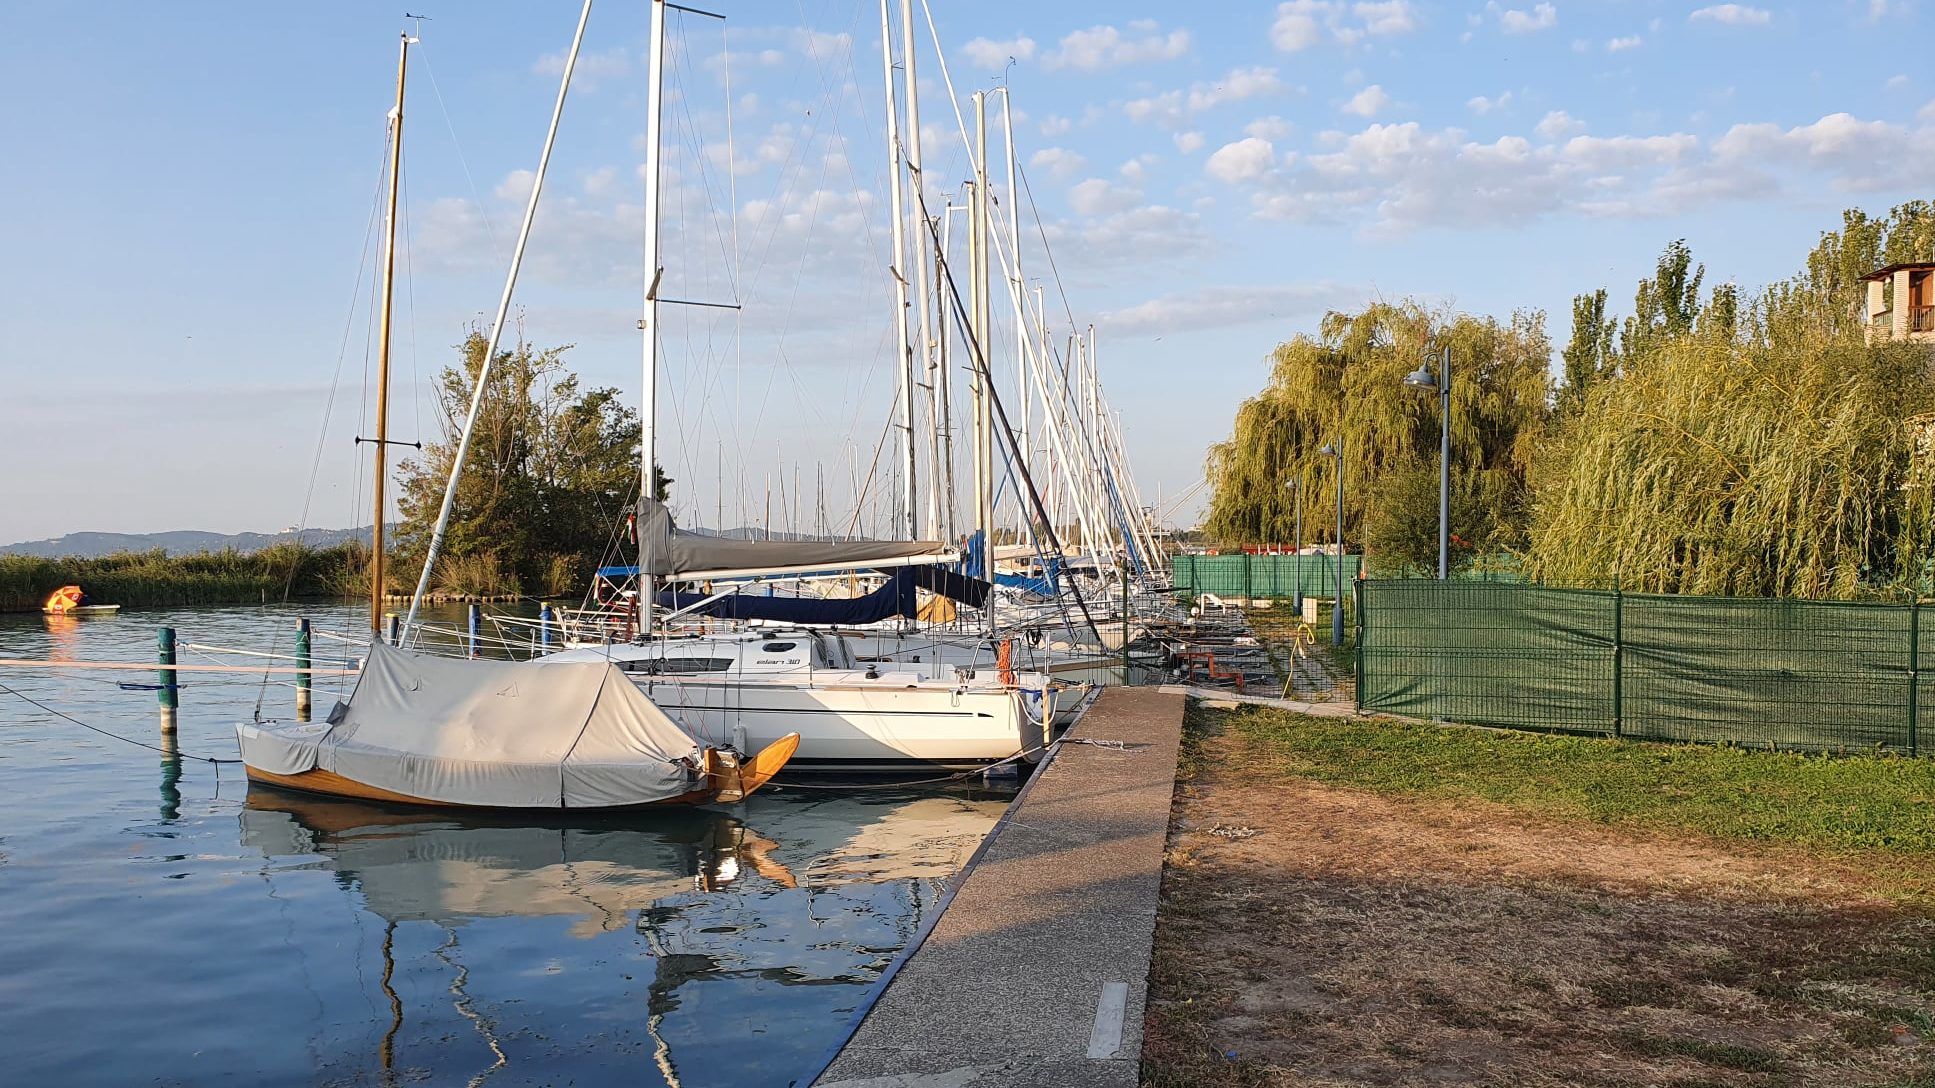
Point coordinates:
[[668, 552], [501, 734]]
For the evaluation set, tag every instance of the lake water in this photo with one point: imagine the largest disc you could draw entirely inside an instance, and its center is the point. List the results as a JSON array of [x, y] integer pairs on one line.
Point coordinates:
[[161, 923]]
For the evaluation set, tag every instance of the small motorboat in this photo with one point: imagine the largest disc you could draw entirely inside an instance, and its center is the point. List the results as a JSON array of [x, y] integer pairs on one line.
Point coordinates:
[[73, 601], [427, 730]]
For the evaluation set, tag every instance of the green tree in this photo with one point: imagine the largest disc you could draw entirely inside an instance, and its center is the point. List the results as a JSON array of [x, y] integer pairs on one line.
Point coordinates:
[[1589, 356], [551, 472], [1666, 305], [1345, 385]]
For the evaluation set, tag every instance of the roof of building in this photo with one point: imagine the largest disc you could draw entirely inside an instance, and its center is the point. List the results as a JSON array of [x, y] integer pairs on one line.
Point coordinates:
[[1905, 266]]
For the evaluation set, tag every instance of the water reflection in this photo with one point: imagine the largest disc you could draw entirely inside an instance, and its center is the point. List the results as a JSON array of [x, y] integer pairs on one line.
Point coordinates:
[[734, 910]]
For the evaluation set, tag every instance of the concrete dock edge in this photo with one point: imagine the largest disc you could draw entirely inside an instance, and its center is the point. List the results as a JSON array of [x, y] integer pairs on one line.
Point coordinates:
[[1036, 972]]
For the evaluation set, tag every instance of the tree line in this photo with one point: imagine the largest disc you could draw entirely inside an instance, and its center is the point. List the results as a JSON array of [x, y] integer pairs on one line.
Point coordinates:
[[1704, 441]]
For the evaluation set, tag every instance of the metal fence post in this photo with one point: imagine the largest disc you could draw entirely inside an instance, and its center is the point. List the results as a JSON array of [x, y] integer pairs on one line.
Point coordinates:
[[1362, 631], [1914, 671], [1618, 663], [1246, 579]]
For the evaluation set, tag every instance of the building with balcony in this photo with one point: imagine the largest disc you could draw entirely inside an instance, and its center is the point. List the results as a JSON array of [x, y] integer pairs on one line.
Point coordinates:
[[1901, 303]]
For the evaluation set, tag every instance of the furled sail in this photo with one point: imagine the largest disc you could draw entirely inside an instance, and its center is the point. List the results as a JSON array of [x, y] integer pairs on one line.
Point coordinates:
[[896, 598], [666, 551]]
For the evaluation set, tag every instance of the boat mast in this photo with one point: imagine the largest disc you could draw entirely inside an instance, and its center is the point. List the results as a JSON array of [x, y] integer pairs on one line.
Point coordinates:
[[908, 524], [383, 339], [648, 409], [978, 277], [1014, 279], [496, 331], [910, 140]]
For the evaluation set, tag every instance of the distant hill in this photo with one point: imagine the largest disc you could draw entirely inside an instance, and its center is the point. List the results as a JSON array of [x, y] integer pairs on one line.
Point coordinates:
[[178, 542]]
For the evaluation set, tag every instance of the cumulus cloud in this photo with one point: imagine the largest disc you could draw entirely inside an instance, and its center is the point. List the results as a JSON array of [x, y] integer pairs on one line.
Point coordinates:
[[1558, 124], [1189, 142], [1301, 24], [1176, 109], [593, 68], [992, 55], [1100, 196], [1269, 128], [1731, 15], [1055, 125], [1248, 159], [1521, 21], [1620, 45], [1102, 47], [1057, 162], [1479, 104], [1368, 102]]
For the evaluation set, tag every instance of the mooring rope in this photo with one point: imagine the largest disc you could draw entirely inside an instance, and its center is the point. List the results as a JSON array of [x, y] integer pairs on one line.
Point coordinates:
[[115, 736]]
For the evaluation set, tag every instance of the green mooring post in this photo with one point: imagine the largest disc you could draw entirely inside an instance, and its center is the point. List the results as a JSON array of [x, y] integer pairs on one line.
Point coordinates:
[[168, 693], [302, 669]]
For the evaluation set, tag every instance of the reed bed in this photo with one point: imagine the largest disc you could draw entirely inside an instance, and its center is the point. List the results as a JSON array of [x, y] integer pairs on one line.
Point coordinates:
[[157, 579]]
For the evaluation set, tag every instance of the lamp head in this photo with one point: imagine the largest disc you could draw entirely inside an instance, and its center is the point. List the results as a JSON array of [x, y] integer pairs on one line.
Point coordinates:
[[1421, 378], [1328, 450]]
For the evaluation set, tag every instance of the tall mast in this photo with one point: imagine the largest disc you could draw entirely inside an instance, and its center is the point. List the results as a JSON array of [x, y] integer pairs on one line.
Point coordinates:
[[909, 521], [944, 381], [648, 407], [910, 142], [496, 329], [1014, 275], [383, 339], [978, 275]]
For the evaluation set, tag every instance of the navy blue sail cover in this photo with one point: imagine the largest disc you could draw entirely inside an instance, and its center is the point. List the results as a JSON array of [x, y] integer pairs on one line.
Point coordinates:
[[896, 598]]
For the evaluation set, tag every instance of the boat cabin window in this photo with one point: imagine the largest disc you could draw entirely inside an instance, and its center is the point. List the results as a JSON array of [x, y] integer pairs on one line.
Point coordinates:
[[778, 647], [678, 666]]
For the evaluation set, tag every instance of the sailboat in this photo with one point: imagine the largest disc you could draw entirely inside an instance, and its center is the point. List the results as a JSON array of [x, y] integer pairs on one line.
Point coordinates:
[[427, 730]]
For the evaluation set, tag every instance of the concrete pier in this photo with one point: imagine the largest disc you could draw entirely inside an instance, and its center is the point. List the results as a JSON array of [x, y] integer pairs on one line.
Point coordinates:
[[1036, 972]]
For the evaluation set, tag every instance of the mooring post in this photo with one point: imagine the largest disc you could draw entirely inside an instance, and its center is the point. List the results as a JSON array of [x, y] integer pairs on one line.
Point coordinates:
[[302, 667], [544, 627], [1125, 625], [390, 626], [476, 617], [169, 695]]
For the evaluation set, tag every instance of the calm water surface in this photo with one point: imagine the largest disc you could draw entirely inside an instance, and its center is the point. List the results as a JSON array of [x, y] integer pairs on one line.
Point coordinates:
[[162, 923]]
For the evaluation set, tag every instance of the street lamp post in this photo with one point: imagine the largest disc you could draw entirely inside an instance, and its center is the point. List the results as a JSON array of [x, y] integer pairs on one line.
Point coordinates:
[[1337, 613], [1423, 378], [1296, 580]]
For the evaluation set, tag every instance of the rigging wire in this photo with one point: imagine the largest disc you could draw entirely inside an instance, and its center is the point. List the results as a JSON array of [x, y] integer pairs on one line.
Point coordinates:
[[111, 735]]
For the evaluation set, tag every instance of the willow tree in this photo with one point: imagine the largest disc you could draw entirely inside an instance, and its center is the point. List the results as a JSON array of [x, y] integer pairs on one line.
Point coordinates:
[[1345, 385], [1771, 452]]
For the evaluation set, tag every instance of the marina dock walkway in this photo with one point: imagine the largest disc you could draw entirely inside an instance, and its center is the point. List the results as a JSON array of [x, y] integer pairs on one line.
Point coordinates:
[[1035, 974]]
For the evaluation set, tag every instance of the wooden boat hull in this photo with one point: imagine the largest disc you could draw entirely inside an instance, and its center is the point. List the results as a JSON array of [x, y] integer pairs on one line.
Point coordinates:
[[737, 782]]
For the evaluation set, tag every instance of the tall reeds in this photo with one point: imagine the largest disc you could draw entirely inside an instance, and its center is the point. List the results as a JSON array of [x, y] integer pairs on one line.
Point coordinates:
[[158, 579]]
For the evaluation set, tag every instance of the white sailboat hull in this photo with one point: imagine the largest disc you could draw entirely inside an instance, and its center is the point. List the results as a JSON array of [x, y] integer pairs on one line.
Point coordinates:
[[855, 725]]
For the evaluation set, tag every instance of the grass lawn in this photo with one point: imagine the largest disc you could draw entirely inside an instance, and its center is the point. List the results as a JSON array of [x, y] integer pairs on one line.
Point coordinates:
[[1361, 902]]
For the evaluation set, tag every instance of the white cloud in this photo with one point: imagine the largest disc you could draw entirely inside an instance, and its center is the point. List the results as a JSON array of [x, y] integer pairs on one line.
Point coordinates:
[[1175, 109], [1189, 142], [1519, 21], [1620, 45], [1898, 81], [1558, 124], [1057, 162], [1269, 128], [1732, 15], [993, 55], [1100, 196], [1055, 125], [1224, 306], [1248, 159], [1103, 47], [1301, 24], [1479, 104], [1368, 102]]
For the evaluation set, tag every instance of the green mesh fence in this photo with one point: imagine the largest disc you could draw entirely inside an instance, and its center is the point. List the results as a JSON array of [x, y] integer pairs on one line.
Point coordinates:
[[1272, 576], [1816, 675]]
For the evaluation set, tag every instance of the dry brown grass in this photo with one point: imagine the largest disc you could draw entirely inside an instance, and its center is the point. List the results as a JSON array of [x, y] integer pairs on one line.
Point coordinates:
[[1320, 935]]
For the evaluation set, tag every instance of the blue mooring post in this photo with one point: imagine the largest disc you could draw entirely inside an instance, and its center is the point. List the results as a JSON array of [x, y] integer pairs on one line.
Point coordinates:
[[302, 667], [168, 693], [476, 617], [544, 627]]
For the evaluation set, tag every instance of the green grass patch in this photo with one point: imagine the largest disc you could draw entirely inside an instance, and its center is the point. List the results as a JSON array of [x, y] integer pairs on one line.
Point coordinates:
[[1866, 803]]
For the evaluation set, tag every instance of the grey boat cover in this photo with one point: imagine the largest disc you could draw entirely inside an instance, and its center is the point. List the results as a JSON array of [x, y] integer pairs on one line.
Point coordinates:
[[668, 552], [497, 734]]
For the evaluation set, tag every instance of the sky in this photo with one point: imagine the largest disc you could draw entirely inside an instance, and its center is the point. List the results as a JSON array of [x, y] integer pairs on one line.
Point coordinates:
[[188, 199]]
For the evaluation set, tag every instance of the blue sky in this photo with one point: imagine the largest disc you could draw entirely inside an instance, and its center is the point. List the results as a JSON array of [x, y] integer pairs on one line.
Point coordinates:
[[189, 189]]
